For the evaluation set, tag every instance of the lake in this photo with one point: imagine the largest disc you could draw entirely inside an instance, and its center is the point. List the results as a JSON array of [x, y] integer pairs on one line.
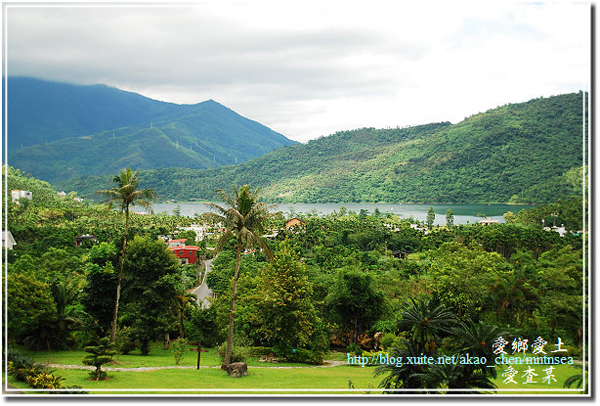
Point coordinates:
[[463, 213]]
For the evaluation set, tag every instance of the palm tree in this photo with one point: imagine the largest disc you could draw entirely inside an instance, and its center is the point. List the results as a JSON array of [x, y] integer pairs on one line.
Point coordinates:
[[426, 319], [402, 374], [125, 194], [182, 302], [243, 218]]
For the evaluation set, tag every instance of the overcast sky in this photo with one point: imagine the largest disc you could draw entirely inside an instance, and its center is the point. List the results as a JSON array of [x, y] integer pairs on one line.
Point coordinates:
[[310, 68]]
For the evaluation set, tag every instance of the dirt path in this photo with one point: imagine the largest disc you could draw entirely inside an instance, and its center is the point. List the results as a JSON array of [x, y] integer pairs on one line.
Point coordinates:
[[328, 364]]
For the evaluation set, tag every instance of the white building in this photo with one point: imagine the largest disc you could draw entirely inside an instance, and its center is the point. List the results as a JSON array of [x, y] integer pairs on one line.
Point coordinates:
[[488, 221], [201, 231], [8, 241], [562, 231], [19, 194]]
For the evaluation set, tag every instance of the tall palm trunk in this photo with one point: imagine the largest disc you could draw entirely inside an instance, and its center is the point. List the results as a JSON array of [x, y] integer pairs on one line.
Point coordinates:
[[113, 330], [181, 313], [228, 352]]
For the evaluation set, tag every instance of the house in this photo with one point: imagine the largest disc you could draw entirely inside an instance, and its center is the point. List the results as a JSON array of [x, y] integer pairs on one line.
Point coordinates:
[[17, 194], [424, 230], [487, 221], [187, 254], [201, 231], [562, 231], [295, 222], [8, 241], [86, 237], [176, 243]]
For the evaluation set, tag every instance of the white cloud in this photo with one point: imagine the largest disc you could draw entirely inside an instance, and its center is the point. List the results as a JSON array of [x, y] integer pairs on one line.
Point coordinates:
[[311, 68]]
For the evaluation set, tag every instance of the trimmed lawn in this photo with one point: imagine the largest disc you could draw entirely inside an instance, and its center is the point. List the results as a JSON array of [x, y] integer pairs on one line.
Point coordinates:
[[278, 378], [158, 357], [281, 380]]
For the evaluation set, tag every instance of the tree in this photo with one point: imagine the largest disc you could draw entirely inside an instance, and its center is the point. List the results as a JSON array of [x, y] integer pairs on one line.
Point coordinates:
[[151, 275], [99, 355], [189, 235], [430, 217], [425, 321], [355, 300], [29, 304], [286, 311], [126, 194], [449, 218], [403, 375], [244, 219], [182, 302]]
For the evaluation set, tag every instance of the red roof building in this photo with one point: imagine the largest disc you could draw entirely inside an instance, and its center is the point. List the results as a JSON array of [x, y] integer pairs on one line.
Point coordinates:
[[176, 243], [186, 253]]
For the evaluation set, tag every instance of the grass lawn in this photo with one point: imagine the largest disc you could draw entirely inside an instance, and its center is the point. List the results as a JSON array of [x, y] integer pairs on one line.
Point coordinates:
[[282, 378], [213, 380], [158, 357]]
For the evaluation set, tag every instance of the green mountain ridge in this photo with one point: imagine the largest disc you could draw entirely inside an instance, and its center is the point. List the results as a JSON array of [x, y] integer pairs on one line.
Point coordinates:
[[137, 131], [41, 111], [520, 153]]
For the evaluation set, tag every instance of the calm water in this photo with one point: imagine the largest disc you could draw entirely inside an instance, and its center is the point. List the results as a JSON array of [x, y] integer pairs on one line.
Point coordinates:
[[463, 213]]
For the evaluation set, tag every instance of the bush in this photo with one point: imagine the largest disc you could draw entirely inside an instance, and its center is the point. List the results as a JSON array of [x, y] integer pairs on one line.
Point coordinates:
[[258, 351], [179, 348], [353, 349], [44, 380], [238, 354], [385, 326], [36, 375], [124, 342], [307, 357], [390, 340]]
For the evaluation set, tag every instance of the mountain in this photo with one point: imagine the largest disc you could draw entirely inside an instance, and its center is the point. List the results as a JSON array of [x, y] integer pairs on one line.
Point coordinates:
[[57, 131], [528, 152]]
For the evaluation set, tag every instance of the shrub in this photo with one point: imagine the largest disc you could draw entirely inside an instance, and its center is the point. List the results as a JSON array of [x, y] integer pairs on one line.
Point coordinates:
[[36, 375], [238, 354], [124, 342], [44, 380], [100, 354], [258, 351], [307, 357], [385, 326], [179, 348], [353, 349], [390, 340]]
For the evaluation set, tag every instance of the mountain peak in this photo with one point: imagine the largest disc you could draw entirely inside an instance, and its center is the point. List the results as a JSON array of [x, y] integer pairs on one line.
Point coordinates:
[[48, 120]]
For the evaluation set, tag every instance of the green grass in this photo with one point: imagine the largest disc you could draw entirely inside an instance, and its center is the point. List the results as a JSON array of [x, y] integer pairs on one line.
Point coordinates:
[[158, 357], [213, 380], [288, 378]]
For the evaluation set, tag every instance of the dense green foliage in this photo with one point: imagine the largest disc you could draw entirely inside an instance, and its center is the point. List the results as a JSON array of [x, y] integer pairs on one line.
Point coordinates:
[[334, 283], [529, 153], [55, 123]]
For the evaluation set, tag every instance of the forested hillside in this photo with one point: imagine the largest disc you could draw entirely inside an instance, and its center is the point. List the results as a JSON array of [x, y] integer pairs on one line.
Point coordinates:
[[40, 111], [59, 131], [529, 152]]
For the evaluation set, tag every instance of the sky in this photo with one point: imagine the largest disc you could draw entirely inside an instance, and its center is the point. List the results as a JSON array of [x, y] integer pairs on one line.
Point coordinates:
[[310, 68]]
